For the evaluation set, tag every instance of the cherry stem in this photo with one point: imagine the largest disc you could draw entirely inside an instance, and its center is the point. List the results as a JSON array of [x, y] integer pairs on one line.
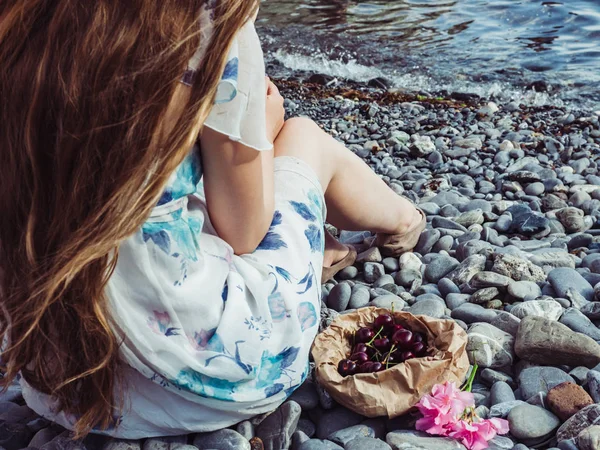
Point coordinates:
[[387, 360], [375, 337]]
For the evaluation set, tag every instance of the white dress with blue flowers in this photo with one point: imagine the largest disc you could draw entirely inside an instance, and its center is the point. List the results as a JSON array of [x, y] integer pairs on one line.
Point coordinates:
[[211, 338]]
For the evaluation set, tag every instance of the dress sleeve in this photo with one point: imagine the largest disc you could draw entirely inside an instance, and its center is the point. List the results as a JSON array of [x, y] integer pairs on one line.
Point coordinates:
[[240, 107]]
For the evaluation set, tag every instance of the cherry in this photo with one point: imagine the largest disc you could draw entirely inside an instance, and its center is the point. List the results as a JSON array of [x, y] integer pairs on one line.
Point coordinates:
[[364, 335], [359, 357], [382, 344], [407, 355], [383, 320], [360, 348], [418, 337], [377, 367], [402, 338], [393, 328], [346, 367], [418, 348], [365, 367]]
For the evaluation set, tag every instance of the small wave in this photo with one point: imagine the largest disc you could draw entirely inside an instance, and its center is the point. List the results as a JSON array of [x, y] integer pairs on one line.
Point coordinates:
[[413, 82]]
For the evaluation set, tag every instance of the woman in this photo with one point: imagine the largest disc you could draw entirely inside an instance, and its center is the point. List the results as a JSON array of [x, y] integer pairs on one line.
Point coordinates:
[[138, 298]]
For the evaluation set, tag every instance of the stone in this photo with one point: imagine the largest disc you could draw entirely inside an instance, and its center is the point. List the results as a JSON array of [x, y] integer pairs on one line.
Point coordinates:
[[501, 392], [579, 374], [484, 295], [225, 439], [14, 436], [389, 301], [502, 410], [306, 396], [552, 259], [548, 309], [589, 439], [501, 443], [415, 440], [544, 341], [489, 347], [342, 437], [427, 240], [373, 271], [408, 278], [347, 273], [518, 269], [530, 422], [588, 416], [488, 279], [455, 300], [439, 268], [366, 443], [527, 222], [591, 310], [572, 219], [410, 261], [576, 321], [563, 279], [422, 146], [277, 429], [467, 269], [339, 297], [567, 399], [429, 307], [491, 376], [245, 428], [64, 442], [506, 322], [446, 287], [524, 290], [391, 264], [335, 420], [470, 313], [319, 444], [298, 438], [44, 436], [469, 218], [593, 381], [541, 379], [369, 255]]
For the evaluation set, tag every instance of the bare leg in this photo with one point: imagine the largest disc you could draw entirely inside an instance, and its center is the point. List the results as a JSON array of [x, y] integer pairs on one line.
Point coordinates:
[[334, 250], [357, 199]]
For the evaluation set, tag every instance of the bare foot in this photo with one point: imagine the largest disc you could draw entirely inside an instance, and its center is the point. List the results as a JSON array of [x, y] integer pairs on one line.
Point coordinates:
[[335, 251]]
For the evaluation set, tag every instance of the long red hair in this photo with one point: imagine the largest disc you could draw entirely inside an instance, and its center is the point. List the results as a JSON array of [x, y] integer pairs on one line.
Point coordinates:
[[85, 89]]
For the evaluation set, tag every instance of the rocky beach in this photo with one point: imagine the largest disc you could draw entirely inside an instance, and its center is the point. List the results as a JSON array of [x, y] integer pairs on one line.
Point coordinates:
[[511, 252]]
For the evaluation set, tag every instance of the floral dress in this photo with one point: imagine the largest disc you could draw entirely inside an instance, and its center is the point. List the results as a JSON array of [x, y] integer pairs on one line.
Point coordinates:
[[211, 338]]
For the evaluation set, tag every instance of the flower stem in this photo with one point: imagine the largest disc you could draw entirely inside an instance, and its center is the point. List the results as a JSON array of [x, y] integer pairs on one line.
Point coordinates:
[[469, 386]]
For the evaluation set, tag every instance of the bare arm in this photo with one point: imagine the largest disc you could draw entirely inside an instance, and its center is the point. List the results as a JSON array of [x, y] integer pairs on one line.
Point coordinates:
[[238, 182]]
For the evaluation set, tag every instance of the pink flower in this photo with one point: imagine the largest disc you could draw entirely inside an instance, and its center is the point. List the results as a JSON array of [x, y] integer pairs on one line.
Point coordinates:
[[442, 408], [475, 435]]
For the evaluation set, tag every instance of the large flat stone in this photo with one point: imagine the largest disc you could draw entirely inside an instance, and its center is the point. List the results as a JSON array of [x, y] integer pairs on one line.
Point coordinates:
[[544, 341]]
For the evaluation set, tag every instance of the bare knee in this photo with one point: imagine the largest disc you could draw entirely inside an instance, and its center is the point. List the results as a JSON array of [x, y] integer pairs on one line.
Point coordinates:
[[302, 138]]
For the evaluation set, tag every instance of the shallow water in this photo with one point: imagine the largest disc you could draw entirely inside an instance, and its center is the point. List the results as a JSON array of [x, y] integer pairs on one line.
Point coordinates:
[[489, 47]]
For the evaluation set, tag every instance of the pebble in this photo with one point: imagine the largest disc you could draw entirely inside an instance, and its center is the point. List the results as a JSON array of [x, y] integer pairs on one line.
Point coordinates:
[[548, 309], [429, 307], [578, 322], [524, 290], [439, 268], [507, 323], [544, 341], [334, 420], [530, 422], [415, 440], [567, 399], [541, 379], [225, 439], [470, 313], [563, 279], [342, 437], [593, 382], [366, 443], [373, 271], [588, 416], [501, 392], [489, 347], [589, 439], [339, 297]]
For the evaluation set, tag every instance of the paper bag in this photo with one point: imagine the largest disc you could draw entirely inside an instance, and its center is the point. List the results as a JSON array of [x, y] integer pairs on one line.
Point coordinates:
[[392, 392]]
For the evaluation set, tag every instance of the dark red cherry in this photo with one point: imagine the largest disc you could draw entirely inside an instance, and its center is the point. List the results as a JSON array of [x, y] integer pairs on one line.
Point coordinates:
[[407, 355], [365, 367], [377, 367], [346, 367], [364, 335], [418, 348], [382, 344], [359, 357], [418, 337], [360, 348], [383, 320], [403, 338], [393, 328]]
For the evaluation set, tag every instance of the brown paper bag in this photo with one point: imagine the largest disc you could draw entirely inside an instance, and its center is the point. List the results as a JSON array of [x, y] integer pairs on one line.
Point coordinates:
[[392, 392]]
